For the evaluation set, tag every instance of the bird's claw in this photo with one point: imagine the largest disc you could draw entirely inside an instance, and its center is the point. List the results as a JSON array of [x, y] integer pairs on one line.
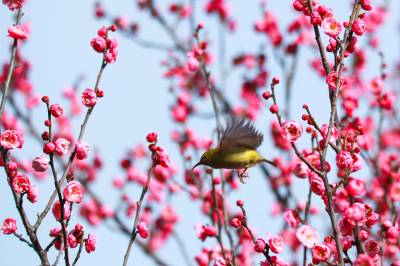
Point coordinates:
[[242, 175]]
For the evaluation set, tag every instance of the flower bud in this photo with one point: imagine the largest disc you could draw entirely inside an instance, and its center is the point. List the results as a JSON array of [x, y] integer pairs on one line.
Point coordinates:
[[56, 110], [40, 163], [49, 147], [9, 226], [98, 44], [151, 137], [45, 99], [259, 245], [239, 203], [274, 109], [142, 229], [236, 222]]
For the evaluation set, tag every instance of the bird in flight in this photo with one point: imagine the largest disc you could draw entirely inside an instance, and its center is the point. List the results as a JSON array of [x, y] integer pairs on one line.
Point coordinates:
[[237, 148]]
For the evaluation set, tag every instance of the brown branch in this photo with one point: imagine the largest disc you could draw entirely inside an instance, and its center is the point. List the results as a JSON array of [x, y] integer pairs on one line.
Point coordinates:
[[18, 199], [48, 247], [214, 210], [60, 252], [12, 66], [321, 47], [78, 255], [333, 99], [305, 220], [315, 124], [168, 29], [296, 150], [245, 225], [281, 199], [139, 203], [125, 230], [72, 156], [319, 173], [206, 76], [22, 239], [58, 190]]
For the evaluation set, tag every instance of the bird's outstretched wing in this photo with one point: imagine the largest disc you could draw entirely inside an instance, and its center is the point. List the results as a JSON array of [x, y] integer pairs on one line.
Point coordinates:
[[240, 133]]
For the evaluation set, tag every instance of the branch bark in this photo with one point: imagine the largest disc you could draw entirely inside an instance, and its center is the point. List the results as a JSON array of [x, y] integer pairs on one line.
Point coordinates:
[[139, 203]]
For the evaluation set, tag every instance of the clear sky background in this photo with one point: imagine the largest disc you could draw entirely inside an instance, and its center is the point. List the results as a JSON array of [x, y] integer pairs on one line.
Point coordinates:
[[137, 102]]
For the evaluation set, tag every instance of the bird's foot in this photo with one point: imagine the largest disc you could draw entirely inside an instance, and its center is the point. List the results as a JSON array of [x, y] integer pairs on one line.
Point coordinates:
[[242, 175]]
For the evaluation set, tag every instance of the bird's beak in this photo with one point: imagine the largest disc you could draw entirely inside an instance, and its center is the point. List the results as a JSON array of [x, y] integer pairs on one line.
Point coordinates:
[[197, 164]]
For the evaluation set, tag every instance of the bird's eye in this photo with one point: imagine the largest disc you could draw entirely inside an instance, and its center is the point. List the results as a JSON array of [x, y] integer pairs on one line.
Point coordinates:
[[203, 158]]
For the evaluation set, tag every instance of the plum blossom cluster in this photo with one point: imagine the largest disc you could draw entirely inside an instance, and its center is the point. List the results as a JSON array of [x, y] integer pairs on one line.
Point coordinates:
[[163, 221], [102, 43], [269, 27], [61, 145], [254, 66], [18, 32], [9, 226], [13, 4], [160, 162], [159, 156], [218, 7], [75, 238], [57, 141], [11, 139], [19, 182], [204, 231]]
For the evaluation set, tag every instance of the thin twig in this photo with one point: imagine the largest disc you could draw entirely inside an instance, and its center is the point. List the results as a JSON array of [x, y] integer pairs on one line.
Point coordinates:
[[315, 124], [72, 156], [215, 211], [305, 220], [139, 203], [60, 252], [18, 199], [21, 238], [321, 47], [78, 255], [48, 247], [125, 230], [168, 29], [245, 225], [206, 76], [333, 98], [12, 66], [296, 150], [58, 190]]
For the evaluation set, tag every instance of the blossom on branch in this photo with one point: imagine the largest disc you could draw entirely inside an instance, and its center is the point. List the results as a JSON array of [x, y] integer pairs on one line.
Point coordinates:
[[11, 139], [9, 226]]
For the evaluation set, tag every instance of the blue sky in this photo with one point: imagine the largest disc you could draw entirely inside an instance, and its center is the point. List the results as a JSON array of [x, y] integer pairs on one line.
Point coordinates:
[[137, 102]]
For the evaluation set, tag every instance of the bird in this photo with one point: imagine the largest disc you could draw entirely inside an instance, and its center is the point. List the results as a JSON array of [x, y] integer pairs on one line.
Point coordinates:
[[237, 148]]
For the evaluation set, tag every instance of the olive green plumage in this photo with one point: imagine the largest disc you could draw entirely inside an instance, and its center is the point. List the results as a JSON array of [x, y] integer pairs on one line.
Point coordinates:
[[237, 148]]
